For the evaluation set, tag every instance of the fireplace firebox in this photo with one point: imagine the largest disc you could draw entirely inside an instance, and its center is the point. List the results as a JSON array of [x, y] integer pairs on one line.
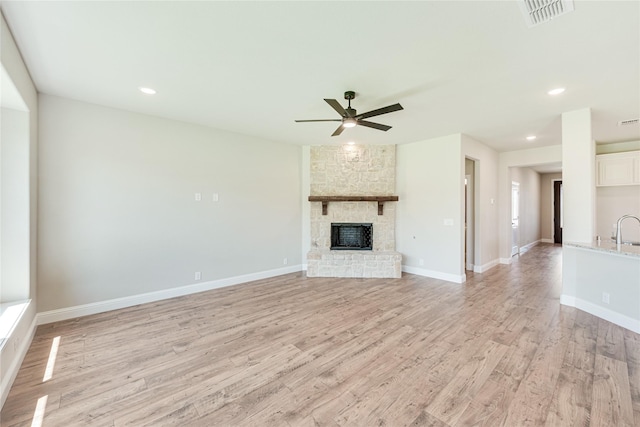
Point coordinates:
[[351, 236]]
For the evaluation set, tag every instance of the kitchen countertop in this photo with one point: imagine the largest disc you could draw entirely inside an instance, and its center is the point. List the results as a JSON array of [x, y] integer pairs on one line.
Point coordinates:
[[608, 246]]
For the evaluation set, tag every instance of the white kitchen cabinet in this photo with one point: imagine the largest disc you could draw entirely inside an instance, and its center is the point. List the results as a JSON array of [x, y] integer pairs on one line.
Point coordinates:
[[618, 169]]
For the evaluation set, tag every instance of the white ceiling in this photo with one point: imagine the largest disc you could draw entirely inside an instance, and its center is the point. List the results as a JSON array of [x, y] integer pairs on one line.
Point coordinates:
[[253, 67]]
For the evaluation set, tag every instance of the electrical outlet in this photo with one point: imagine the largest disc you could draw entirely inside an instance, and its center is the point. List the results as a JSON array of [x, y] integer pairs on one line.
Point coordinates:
[[448, 222], [421, 261], [285, 261], [605, 297], [198, 275], [215, 197], [198, 197]]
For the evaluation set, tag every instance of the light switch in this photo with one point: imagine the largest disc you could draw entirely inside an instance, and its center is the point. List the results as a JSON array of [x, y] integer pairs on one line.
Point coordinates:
[[198, 197], [215, 197]]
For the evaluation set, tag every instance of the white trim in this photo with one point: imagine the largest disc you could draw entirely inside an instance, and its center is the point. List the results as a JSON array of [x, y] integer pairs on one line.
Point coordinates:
[[117, 303], [435, 274], [546, 240], [528, 246], [304, 267], [484, 267], [505, 260], [602, 312], [21, 351], [469, 267]]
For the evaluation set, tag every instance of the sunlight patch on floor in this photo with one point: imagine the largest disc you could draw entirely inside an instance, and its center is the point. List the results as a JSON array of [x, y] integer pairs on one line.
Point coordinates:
[[48, 372], [38, 414]]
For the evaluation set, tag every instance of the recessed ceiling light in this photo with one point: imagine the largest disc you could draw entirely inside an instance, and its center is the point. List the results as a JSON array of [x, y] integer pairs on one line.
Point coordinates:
[[147, 90], [531, 138], [556, 91]]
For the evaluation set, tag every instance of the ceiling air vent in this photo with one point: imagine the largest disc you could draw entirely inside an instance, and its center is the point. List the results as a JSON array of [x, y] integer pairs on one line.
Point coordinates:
[[628, 122], [537, 12]]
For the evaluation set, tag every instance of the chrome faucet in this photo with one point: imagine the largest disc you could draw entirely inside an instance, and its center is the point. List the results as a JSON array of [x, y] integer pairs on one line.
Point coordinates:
[[618, 227]]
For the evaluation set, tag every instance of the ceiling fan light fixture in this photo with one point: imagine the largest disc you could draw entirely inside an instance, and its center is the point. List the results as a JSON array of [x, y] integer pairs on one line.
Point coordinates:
[[349, 117], [349, 122]]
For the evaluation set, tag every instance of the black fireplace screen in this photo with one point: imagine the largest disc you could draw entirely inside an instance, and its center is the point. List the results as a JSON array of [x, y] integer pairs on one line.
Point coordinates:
[[351, 236]]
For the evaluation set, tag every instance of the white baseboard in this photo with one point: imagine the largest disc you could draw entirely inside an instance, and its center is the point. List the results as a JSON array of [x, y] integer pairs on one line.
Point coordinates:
[[114, 304], [528, 246], [484, 267], [602, 312], [435, 274], [505, 260], [24, 342], [546, 240]]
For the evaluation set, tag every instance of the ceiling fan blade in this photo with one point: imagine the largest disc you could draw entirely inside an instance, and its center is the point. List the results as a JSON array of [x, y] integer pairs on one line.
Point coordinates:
[[336, 106], [338, 131], [379, 111], [319, 120], [374, 125]]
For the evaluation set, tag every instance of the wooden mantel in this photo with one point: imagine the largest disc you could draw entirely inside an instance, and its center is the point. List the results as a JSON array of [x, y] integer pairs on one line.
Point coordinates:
[[326, 199]]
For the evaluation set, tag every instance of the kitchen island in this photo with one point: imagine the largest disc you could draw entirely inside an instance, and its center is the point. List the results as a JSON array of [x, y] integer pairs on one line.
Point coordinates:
[[603, 279]]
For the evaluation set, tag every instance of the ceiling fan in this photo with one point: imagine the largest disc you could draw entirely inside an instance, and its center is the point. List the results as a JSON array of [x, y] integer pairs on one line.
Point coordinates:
[[351, 118]]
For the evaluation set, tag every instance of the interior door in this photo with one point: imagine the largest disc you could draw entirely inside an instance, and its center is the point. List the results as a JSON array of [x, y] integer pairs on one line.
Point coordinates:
[[515, 218], [557, 212]]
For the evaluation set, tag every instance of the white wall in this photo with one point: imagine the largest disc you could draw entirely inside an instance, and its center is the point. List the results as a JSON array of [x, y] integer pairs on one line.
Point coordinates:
[[486, 202], [578, 183], [17, 342], [118, 216], [529, 227], [587, 274], [617, 147], [611, 204], [430, 188], [14, 216], [546, 205], [519, 158]]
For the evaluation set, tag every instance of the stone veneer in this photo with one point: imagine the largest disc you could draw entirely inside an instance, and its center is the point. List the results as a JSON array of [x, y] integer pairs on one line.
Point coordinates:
[[353, 170]]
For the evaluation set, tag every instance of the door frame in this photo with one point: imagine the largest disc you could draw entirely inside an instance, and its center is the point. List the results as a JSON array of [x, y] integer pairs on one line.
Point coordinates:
[[515, 246], [469, 213], [553, 213]]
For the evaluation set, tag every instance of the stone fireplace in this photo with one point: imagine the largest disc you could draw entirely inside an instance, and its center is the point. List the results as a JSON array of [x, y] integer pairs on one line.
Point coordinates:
[[353, 184]]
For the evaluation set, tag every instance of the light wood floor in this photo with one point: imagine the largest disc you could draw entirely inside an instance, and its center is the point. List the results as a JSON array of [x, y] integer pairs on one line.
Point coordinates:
[[497, 350]]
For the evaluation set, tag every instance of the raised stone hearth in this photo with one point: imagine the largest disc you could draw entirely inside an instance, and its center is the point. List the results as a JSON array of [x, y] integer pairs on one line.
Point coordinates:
[[326, 263], [363, 175]]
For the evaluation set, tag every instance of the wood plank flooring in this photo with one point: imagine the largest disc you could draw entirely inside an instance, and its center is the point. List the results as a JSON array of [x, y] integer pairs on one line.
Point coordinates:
[[498, 350]]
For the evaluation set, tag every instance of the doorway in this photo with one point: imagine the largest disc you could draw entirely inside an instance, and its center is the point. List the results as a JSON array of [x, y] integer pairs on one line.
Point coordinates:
[[468, 222], [557, 211], [515, 218]]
